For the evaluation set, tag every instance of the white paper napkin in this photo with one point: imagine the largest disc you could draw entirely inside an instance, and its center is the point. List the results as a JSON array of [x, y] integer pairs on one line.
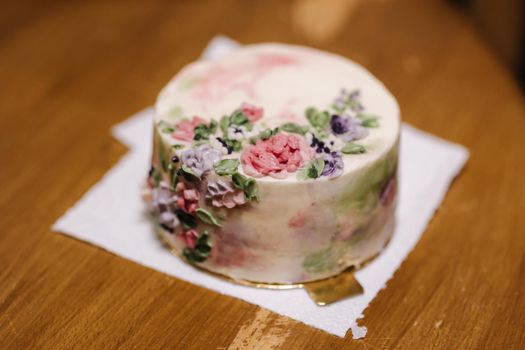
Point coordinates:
[[112, 216]]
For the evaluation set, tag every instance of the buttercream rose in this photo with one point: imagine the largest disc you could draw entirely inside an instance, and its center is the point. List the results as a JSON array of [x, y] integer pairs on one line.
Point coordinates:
[[184, 130], [277, 156], [253, 113]]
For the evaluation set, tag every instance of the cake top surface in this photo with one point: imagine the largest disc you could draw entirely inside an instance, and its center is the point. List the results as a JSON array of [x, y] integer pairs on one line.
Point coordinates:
[[279, 109]]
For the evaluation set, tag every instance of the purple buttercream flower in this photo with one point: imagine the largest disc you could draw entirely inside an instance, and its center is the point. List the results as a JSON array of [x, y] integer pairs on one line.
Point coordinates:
[[163, 205], [200, 159], [333, 164], [339, 124], [223, 193], [347, 100], [347, 127]]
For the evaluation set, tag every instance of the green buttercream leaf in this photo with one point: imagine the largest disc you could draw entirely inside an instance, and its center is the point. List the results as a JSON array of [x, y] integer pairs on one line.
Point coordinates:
[[370, 123], [238, 118], [317, 119], [224, 123], [368, 120], [207, 217], [188, 174], [226, 166], [264, 135], [203, 131], [312, 170], [201, 251], [353, 148], [187, 220], [251, 190], [203, 244], [294, 128], [234, 145], [177, 146], [194, 256], [248, 185], [239, 180]]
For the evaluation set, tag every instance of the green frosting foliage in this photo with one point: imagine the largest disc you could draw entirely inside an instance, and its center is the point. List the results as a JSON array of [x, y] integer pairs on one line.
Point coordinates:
[[207, 217], [264, 135], [203, 131], [294, 128], [237, 118], [312, 170], [188, 174], [226, 167], [353, 148], [318, 120], [248, 185], [368, 120], [187, 220], [201, 251]]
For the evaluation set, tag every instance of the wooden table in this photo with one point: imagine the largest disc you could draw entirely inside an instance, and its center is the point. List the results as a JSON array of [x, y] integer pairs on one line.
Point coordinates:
[[69, 70]]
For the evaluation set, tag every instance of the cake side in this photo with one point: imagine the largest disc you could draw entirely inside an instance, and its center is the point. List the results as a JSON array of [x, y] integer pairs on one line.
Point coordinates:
[[276, 164]]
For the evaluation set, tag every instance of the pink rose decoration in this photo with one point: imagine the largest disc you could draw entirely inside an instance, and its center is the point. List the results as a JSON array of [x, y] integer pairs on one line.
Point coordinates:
[[252, 112], [187, 197], [184, 129], [190, 238], [278, 156]]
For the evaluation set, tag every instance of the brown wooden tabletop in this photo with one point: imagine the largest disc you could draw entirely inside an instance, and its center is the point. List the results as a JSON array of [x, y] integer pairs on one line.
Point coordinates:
[[69, 70]]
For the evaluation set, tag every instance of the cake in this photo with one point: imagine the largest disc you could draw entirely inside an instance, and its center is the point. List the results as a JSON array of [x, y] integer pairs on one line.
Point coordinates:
[[274, 164]]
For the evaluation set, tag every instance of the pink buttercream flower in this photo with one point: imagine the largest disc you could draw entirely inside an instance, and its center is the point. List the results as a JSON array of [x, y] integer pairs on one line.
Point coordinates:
[[187, 197], [190, 238], [184, 129], [277, 156], [253, 113]]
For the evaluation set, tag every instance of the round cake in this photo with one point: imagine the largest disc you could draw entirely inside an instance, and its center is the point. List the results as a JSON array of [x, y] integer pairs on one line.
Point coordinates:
[[275, 164]]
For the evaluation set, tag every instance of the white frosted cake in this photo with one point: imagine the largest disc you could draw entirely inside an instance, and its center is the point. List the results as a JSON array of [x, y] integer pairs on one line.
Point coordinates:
[[275, 164]]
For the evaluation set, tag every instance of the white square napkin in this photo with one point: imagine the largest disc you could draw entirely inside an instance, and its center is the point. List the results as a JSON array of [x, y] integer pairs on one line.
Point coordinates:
[[112, 215]]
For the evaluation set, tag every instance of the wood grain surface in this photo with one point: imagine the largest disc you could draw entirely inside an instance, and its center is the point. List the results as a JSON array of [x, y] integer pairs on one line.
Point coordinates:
[[69, 70]]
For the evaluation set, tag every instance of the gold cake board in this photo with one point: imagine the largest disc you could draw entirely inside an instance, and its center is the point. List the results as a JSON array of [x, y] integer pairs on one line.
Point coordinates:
[[322, 292]]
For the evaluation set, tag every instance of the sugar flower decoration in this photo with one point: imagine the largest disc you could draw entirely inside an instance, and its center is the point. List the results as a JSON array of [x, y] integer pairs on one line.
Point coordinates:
[[277, 156], [223, 194], [333, 164], [190, 238], [163, 204], [347, 127], [187, 197], [184, 130], [200, 159], [253, 113]]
